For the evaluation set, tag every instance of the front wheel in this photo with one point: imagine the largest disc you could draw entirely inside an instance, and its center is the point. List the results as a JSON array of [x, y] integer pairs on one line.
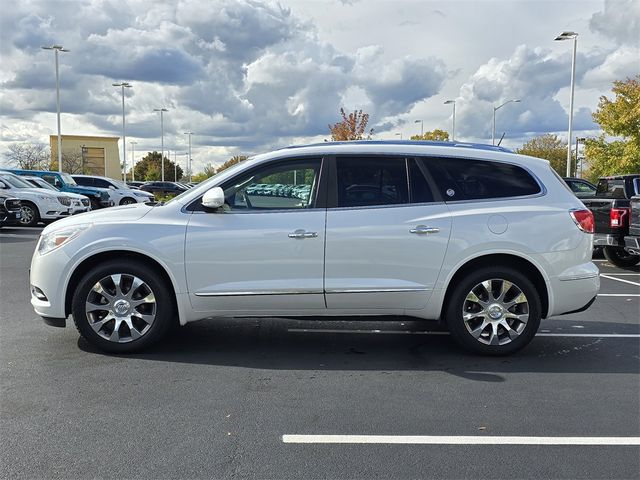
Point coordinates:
[[620, 257], [127, 201], [122, 306], [494, 311], [29, 214]]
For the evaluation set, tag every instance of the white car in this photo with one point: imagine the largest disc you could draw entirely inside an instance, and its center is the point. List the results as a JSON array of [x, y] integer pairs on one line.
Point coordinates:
[[485, 240], [79, 203], [36, 204], [119, 191]]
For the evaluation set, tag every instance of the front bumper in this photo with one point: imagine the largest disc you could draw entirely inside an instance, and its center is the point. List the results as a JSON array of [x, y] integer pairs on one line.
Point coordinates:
[[10, 218], [55, 212]]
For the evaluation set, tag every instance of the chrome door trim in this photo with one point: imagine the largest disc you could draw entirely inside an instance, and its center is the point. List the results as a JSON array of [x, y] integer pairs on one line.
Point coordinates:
[[375, 290], [262, 292]]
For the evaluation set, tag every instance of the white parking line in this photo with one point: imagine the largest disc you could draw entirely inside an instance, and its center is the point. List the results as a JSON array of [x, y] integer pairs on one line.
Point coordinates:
[[459, 440], [623, 274], [620, 280], [619, 294], [411, 332]]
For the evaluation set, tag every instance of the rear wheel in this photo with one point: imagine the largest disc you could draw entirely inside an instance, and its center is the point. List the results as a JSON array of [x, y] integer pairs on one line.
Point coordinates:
[[494, 311], [122, 306], [620, 257], [29, 214]]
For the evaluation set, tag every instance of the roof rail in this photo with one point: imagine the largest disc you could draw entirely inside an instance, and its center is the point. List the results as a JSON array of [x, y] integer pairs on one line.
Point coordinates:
[[478, 146]]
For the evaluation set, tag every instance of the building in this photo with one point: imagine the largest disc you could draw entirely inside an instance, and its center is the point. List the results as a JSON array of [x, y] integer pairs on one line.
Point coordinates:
[[87, 154]]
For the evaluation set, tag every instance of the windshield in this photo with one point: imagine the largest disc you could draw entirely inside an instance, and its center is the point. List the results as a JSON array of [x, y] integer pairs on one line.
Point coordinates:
[[38, 182], [68, 179], [120, 184], [15, 181]]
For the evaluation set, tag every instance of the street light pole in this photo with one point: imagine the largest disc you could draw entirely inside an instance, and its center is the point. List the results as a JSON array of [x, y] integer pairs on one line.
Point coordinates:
[[578, 140], [421, 127], [400, 134], [56, 49], [133, 161], [570, 36], [175, 166], [161, 110], [123, 85], [189, 159], [453, 126], [493, 133]]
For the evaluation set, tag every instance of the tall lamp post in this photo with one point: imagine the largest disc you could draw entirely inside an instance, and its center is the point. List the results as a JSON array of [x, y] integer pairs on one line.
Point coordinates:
[[133, 161], [495, 109], [570, 36], [123, 85], [578, 140], [161, 110], [56, 49], [189, 159], [399, 134], [421, 127], [453, 126]]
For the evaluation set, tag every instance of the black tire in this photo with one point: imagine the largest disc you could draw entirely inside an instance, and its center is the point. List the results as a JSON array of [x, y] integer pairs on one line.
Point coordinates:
[[127, 201], [164, 302], [30, 215], [457, 301], [620, 257], [95, 203]]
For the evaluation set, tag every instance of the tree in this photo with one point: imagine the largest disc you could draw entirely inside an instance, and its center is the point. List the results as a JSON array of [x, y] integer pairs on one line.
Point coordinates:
[[436, 135], [619, 117], [549, 147], [29, 156], [150, 168], [232, 161], [72, 162], [351, 127]]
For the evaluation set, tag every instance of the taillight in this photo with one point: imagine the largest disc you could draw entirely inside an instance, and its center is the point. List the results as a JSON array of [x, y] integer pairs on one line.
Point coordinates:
[[618, 217], [583, 219]]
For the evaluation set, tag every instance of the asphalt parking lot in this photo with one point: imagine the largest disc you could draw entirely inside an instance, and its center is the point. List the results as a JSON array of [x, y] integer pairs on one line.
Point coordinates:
[[267, 398]]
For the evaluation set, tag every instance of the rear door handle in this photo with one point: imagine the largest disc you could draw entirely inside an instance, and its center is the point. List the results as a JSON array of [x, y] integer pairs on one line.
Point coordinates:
[[423, 230], [301, 233]]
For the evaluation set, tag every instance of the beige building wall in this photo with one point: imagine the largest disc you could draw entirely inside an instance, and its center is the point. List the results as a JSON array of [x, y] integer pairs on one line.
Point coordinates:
[[87, 154]]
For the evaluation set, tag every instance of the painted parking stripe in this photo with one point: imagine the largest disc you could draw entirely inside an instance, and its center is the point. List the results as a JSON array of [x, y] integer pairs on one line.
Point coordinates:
[[619, 294], [412, 332], [620, 280], [459, 440], [623, 274]]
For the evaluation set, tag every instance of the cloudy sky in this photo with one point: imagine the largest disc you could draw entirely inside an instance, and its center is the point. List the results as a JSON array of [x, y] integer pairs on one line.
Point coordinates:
[[248, 76]]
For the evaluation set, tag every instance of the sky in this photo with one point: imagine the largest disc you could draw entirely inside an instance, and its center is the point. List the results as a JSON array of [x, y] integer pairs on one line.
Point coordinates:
[[248, 76]]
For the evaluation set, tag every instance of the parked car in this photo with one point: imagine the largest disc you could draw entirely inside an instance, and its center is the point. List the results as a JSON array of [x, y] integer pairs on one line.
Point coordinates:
[[35, 204], [10, 210], [120, 193], [99, 197], [610, 207], [580, 187], [163, 188], [632, 241], [79, 203], [488, 241]]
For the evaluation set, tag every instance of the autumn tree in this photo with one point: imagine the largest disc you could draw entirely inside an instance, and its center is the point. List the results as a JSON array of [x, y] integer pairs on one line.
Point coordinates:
[[620, 118], [351, 127], [549, 147], [72, 162], [436, 135], [29, 156], [150, 168], [232, 161]]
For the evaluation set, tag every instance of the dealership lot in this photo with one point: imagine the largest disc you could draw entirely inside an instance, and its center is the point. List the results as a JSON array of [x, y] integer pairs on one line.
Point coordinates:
[[265, 398]]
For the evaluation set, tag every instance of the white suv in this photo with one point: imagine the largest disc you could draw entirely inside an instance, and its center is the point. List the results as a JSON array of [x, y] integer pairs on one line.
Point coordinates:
[[119, 192], [483, 239]]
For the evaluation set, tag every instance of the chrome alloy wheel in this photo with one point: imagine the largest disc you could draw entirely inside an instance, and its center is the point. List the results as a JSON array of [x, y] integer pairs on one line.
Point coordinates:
[[27, 214], [495, 312], [121, 308]]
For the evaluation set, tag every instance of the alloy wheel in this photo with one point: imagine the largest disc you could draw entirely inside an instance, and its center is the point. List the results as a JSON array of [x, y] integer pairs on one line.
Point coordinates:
[[495, 312], [121, 308], [27, 215]]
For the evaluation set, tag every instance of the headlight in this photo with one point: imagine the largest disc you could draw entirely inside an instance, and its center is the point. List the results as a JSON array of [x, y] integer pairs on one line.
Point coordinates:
[[138, 193], [47, 198], [66, 201], [52, 240]]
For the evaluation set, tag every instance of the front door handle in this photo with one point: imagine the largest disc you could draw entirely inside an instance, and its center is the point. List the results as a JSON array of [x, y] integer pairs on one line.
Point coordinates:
[[301, 233], [423, 230]]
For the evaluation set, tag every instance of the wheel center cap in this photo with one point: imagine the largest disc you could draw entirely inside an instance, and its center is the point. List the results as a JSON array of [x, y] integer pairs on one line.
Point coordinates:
[[121, 307], [495, 312]]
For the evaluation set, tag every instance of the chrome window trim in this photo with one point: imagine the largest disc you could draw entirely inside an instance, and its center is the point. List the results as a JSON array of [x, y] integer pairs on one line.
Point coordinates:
[[395, 205]]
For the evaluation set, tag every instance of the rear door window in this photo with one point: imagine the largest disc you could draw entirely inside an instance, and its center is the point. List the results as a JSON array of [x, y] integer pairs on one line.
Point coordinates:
[[370, 181], [473, 179]]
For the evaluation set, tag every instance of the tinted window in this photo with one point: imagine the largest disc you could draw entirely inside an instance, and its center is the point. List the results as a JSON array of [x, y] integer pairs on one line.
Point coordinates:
[[611, 188], [285, 185], [366, 181], [580, 187], [99, 182], [466, 179], [84, 181], [420, 190]]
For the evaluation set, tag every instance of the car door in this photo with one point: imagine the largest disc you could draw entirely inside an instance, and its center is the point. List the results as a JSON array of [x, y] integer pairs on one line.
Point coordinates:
[[263, 253], [387, 234]]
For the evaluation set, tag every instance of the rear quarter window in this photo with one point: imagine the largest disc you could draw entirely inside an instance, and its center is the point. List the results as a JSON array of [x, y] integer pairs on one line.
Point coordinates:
[[472, 179], [611, 188]]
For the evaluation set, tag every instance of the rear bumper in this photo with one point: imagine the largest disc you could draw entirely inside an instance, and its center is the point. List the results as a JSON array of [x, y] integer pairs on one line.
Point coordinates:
[[607, 240], [632, 245], [574, 290]]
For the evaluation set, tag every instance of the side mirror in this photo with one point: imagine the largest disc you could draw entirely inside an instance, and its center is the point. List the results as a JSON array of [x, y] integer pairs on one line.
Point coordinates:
[[111, 187], [2, 185], [213, 198]]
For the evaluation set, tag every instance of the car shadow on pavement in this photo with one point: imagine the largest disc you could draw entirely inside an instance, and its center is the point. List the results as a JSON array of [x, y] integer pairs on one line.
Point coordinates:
[[271, 344]]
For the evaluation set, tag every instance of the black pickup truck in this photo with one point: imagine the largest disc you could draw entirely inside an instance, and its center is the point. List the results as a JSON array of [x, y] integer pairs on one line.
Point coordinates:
[[611, 211], [632, 241]]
